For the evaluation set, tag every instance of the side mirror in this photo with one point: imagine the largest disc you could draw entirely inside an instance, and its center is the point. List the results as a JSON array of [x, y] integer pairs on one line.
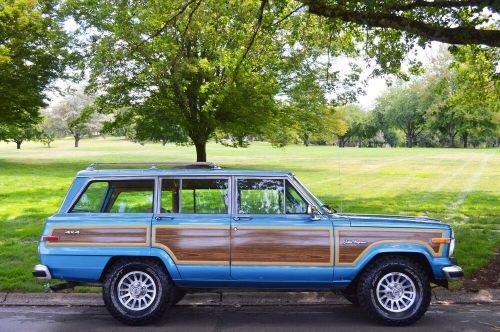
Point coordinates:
[[313, 213]]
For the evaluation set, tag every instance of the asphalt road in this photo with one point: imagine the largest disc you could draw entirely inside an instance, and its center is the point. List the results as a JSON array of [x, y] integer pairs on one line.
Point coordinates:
[[463, 317]]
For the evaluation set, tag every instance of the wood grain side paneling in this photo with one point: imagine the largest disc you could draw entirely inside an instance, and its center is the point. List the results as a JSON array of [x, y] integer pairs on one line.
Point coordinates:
[[287, 246], [352, 244], [100, 236], [194, 245]]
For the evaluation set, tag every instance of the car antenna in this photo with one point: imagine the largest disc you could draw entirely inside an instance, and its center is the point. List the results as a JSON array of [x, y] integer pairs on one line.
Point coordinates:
[[340, 180]]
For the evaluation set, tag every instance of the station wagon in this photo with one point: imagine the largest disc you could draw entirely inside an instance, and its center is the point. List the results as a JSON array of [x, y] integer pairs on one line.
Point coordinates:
[[148, 235]]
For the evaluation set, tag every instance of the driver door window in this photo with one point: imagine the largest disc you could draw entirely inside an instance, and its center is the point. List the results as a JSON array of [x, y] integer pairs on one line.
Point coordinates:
[[261, 196]]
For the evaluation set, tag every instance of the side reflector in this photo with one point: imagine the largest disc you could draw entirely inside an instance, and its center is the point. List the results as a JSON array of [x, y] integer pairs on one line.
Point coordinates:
[[50, 238], [440, 240]]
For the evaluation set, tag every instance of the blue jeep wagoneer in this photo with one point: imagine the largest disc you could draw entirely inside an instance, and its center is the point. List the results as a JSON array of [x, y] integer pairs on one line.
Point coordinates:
[[149, 235]]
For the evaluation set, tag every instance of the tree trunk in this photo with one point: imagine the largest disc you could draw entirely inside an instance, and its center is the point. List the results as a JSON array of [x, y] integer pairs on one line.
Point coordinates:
[[305, 139], [465, 138], [343, 141], [18, 144], [77, 139], [409, 140], [201, 151], [452, 140]]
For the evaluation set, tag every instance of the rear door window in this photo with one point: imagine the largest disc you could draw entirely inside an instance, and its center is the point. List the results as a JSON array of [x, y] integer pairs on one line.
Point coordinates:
[[195, 196]]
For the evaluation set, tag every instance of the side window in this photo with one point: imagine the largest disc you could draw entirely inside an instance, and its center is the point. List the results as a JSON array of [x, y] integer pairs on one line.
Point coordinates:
[[294, 204], [117, 197], [261, 196], [204, 196], [92, 198]]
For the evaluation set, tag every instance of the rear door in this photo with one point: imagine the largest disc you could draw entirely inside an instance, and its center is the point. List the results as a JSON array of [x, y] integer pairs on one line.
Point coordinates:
[[273, 238], [192, 225]]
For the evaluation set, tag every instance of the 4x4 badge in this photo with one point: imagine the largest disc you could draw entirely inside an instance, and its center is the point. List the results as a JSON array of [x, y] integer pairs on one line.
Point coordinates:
[[72, 232]]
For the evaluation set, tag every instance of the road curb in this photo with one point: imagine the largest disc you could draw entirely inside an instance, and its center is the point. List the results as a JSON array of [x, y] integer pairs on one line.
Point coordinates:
[[236, 299]]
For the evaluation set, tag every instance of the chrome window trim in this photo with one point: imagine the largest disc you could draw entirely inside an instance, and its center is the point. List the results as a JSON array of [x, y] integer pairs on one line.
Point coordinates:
[[232, 187], [298, 185], [114, 178], [228, 178]]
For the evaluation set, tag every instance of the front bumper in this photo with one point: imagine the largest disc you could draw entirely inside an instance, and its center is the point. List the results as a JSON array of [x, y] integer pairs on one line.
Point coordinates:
[[41, 272], [453, 272]]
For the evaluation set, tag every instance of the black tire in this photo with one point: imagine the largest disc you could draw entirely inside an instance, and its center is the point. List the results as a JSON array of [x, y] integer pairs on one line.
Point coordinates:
[[178, 295], [161, 300], [351, 296], [415, 278]]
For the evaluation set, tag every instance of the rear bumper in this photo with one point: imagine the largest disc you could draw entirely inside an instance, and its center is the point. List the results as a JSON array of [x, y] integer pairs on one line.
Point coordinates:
[[453, 272], [41, 272]]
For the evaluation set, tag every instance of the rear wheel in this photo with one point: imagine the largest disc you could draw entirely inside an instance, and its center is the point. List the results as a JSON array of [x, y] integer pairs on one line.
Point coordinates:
[[394, 290], [137, 293]]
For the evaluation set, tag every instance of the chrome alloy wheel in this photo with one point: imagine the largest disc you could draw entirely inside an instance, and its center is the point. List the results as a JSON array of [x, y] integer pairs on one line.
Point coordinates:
[[136, 290], [396, 292]]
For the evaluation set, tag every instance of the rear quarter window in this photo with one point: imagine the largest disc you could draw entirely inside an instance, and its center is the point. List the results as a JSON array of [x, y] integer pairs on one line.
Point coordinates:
[[116, 196]]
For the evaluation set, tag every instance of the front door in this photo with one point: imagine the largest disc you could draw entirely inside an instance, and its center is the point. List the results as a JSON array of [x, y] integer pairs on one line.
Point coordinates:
[[192, 226], [274, 239]]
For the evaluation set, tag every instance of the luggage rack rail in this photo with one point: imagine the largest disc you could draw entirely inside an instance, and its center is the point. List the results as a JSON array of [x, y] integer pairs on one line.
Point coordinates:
[[155, 165]]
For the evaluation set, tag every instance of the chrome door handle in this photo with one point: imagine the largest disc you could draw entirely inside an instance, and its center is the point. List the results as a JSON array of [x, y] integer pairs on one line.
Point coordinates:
[[235, 228], [238, 218], [159, 218]]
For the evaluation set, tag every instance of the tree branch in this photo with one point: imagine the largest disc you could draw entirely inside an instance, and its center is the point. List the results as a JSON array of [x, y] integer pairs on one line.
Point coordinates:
[[458, 35], [439, 4], [167, 22], [250, 42], [278, 22]]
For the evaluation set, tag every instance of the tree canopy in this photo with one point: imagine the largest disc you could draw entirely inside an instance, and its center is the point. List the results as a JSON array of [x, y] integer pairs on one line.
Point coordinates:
[[33, 53], [199, 69]]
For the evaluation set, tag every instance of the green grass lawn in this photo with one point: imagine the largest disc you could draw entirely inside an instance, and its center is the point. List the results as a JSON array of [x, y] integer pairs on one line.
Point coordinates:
[[459, 186]]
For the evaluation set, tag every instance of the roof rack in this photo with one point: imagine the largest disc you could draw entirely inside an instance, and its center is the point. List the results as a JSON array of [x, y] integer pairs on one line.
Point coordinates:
[[154, 165]]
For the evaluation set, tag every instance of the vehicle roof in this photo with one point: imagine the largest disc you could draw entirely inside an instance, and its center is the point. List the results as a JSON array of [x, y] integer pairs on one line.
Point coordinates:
[[178, 172]]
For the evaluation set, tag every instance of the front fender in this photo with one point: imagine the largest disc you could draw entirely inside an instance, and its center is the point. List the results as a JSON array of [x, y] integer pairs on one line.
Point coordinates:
[[344, 273]]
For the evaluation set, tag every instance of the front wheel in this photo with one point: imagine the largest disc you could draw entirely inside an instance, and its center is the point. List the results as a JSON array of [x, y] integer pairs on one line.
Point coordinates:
[[394, 290], [137, 293]]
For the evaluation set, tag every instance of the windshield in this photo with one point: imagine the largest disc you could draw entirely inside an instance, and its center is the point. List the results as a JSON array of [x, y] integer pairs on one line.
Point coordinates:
[[312, 197]]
